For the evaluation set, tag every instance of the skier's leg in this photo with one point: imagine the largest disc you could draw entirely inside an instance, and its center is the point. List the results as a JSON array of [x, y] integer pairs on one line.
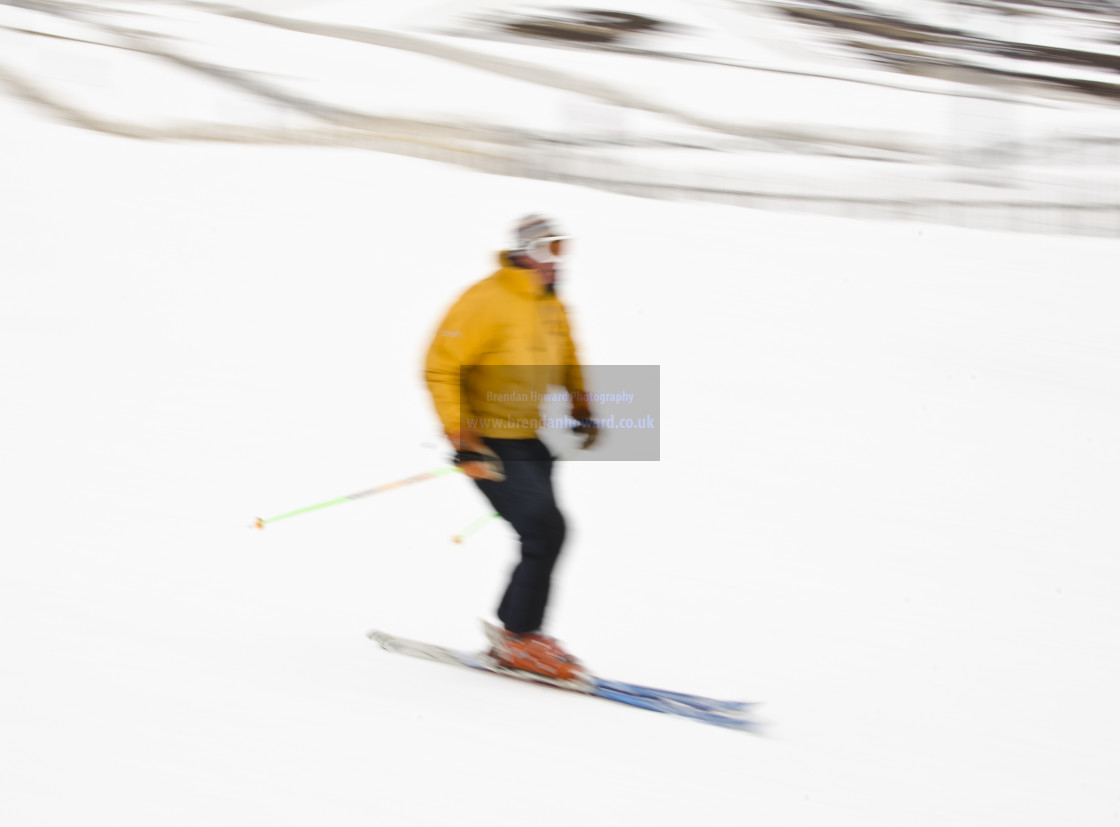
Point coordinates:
[[526, 499]]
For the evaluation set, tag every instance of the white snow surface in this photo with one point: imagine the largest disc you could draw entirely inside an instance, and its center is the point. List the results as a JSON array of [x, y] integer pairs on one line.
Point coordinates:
[[885, 506]]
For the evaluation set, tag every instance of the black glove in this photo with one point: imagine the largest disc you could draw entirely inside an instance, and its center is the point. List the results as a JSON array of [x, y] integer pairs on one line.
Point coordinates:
[[483, 464], [590, 431]]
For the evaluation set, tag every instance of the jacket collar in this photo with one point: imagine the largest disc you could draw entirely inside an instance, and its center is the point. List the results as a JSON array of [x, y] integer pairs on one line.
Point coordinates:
[[521, 280]]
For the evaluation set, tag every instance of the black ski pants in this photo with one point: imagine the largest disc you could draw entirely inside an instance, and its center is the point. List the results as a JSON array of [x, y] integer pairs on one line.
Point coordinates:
[[526, 500]]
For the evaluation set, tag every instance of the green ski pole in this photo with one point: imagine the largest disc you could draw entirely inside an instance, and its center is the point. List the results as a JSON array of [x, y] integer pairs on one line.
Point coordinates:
[[389, 486], [462, 536]]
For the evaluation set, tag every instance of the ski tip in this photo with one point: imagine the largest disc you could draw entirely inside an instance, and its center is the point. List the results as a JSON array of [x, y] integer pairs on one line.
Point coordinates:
[[379, 637], [745, 725]]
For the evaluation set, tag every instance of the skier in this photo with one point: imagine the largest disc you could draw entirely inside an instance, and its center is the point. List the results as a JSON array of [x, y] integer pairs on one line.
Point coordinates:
[[500, 347]]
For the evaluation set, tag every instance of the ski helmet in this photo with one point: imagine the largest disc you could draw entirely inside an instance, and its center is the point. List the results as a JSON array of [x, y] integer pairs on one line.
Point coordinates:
[[537, 237]]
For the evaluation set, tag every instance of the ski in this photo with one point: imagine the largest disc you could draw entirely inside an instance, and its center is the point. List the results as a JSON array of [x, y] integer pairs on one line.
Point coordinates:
[[728, 714], [493, 634], [698, 701]]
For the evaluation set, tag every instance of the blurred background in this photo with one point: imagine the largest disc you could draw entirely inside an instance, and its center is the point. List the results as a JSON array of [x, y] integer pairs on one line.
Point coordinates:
[[985, 113], [885, 500]]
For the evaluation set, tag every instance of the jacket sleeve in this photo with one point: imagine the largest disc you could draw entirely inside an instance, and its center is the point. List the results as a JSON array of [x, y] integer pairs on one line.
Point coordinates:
[[459, 342], [573, 374]]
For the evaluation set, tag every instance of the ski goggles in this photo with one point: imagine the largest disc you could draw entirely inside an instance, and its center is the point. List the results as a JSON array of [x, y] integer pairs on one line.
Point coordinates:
[[548, 249]]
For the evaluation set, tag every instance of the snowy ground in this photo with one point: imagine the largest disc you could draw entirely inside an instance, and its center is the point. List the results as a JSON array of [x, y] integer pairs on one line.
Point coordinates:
[[885, 506]]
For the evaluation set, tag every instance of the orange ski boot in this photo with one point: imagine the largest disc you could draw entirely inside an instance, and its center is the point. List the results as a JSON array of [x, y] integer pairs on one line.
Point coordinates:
[[534, 652]]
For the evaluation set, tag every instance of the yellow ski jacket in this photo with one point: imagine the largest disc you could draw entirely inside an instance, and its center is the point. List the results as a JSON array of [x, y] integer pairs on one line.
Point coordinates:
[[497, 352]]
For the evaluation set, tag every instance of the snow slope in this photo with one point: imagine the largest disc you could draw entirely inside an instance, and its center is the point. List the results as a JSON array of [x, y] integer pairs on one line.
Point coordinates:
[[884, 506]]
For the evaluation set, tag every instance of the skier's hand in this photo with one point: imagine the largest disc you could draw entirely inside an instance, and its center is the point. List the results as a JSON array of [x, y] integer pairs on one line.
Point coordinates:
[[585, 425], [589, 430], [474, 458]]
